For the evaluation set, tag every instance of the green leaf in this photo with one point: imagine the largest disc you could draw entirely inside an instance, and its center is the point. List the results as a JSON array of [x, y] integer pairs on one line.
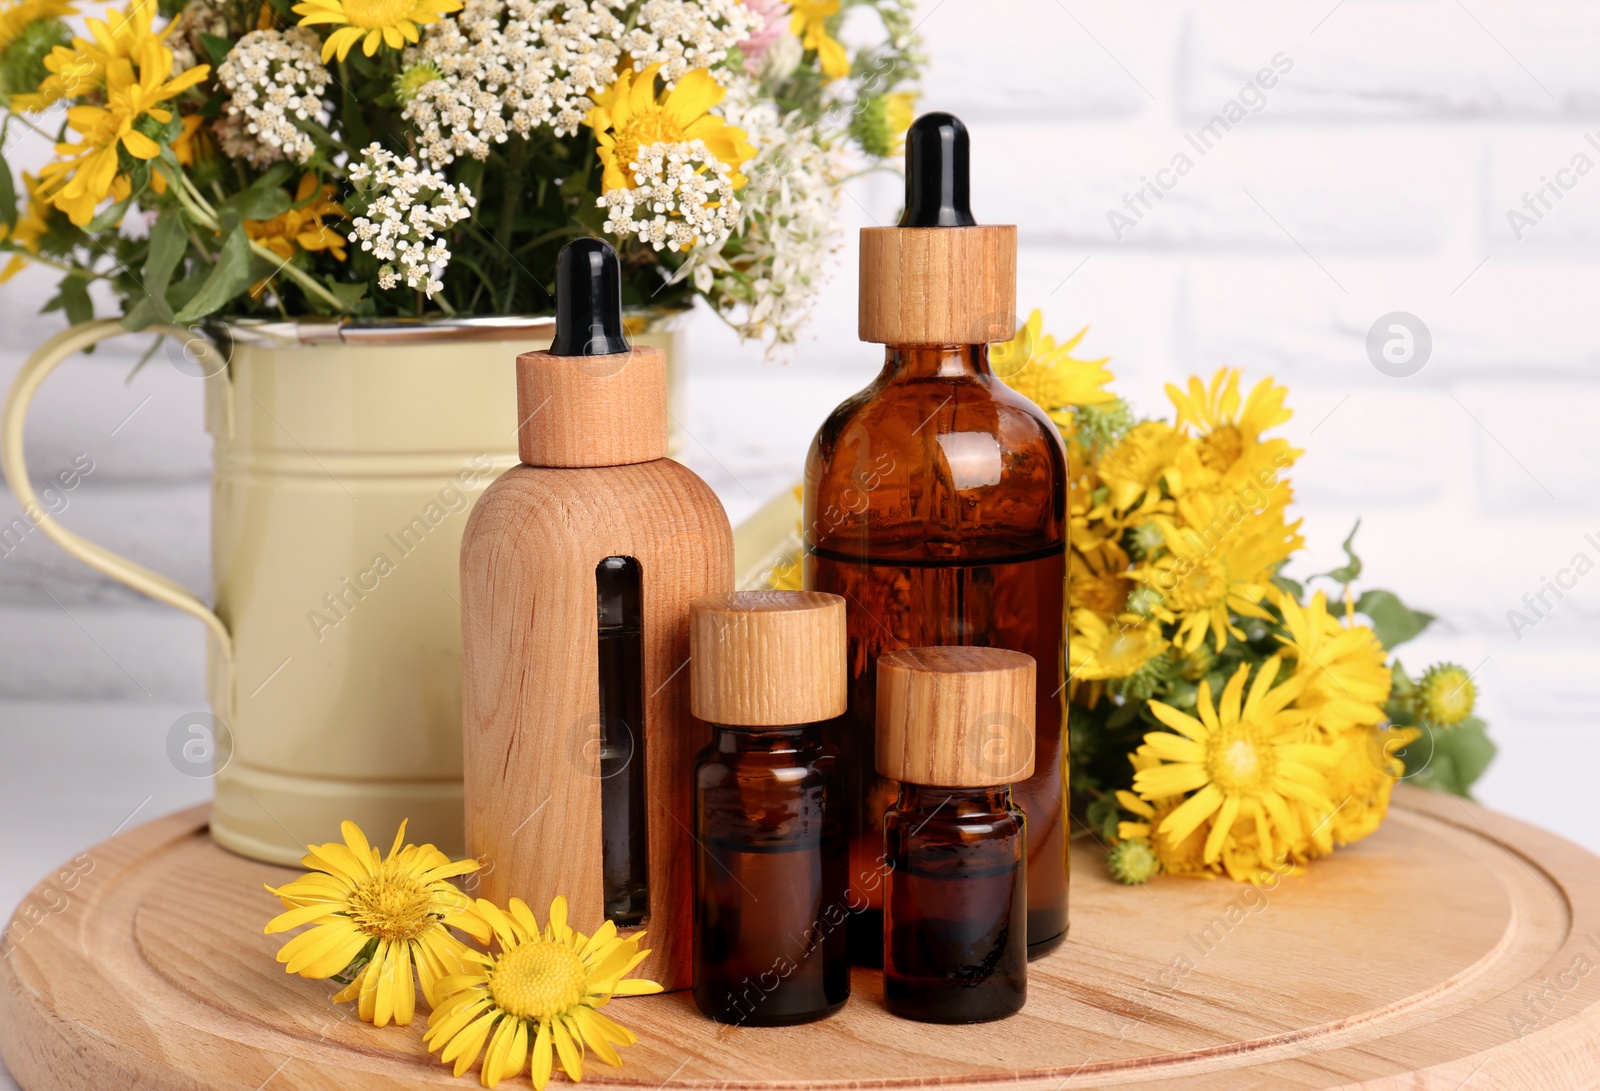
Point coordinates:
[[1470, 751], [1103, 815], [228, 278], [168, 241], [1352, 567], [217, 48], [8, 195], [1393, 621], [349, 295], [75, 300], [260, 202], [110, 217]]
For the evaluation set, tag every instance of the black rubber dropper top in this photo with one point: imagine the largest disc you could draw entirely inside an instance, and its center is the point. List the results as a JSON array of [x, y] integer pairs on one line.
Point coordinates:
[[588, 300], [938, 162]]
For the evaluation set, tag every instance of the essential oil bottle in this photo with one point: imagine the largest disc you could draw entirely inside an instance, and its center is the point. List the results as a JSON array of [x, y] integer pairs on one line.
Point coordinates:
[[770, 911], [935, 502], [955, 729]]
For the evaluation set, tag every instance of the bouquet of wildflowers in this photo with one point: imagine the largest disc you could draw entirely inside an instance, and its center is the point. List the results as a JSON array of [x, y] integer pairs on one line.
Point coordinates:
[[1223, 718], [386, 158]]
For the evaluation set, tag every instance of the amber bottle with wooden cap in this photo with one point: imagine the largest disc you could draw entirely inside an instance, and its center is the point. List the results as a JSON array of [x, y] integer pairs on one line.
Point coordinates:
[[770, 850], [955, 729], [577, 569], [935, 500]]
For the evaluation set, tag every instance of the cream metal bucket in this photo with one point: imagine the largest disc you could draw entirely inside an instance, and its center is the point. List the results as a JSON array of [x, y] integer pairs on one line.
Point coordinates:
[[346, 459]]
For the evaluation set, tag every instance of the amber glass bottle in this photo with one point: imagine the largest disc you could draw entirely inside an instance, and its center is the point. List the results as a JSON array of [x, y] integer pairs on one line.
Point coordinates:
[[770, 860], [935, 505], [955, 728], [955, 914]]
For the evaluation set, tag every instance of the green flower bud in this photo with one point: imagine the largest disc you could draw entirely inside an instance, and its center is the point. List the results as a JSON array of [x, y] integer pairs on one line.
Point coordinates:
[[410, 82], [1445, 695], [1133, 862]]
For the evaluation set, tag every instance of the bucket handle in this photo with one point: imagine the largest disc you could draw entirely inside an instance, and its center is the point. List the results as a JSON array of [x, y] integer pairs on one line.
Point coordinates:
[[141, 579]]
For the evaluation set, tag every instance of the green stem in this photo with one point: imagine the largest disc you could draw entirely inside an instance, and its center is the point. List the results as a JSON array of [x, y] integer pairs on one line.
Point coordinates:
[[195, 205], [511, 181], [71, 270]]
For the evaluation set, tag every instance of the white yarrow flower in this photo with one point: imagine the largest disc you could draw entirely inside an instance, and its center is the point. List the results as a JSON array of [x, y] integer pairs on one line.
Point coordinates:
[[682, 198], [273, 79], [408, 205]]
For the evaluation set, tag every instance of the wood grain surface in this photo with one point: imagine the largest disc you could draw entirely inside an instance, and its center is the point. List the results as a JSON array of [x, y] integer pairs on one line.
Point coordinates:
[[767, 658], [530, 681], [956, 717], [938, 285], [1455, 949]]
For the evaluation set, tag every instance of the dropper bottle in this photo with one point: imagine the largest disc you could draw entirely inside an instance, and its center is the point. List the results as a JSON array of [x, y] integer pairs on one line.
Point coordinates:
[[935, 505], [577, 570]]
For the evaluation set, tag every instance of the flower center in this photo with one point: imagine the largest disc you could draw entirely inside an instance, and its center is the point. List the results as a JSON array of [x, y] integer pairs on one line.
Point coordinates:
[[1125, 650], [1205, 586], [1238, 761], [377, 14], [650, 127], [1221, 448], [392, 905], [1103, 594], [538, 980]]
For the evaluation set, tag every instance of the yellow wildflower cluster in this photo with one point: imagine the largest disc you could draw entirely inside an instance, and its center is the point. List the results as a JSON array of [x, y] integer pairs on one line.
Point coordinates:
[[1276, 746], [534, 1002], [121, 81]]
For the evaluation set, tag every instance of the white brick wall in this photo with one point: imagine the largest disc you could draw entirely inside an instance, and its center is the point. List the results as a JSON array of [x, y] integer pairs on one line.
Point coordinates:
[[1375, 176]]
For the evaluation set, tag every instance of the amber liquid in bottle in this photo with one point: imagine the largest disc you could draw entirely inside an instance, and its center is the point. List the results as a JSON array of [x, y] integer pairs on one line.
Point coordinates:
[[935, 504], [770, 908], [955, 922], [624, 859]]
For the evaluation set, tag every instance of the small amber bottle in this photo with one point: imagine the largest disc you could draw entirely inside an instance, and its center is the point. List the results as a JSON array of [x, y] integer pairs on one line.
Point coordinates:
[[955, 728], [767, 670]]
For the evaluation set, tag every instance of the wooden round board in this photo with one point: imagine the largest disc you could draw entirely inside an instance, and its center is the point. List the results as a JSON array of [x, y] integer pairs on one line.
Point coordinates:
[[1454, 949]]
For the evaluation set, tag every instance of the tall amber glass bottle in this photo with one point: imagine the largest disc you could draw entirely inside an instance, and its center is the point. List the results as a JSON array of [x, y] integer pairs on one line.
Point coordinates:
[[935, 505]]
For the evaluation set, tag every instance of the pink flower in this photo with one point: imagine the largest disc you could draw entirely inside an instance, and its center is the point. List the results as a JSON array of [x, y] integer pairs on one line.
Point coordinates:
[[776, 14]]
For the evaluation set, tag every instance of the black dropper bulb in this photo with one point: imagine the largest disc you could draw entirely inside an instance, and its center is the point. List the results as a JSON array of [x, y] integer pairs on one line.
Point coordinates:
[[938, 163], [588, 300]]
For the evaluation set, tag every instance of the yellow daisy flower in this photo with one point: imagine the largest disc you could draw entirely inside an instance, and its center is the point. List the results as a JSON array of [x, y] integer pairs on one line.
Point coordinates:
[[301, 228], [1244, 758], [1360, 781], [87, 173], [1032, 364], [1097, 579], [1185, 856], [33, 220], [80, 69], [1346, 678], [809, 23], [538, 999], [1215, 413], [17, 15], [1229, 454], [1098, 651], [899, 111], [391, 23], [628, 116], [382, 913], [1217, 563], [1134, 470]]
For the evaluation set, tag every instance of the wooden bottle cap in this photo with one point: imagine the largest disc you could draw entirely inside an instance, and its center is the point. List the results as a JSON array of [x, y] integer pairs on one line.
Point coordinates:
[[955, 717], [938, 285], [767, 658], [592, 410]]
